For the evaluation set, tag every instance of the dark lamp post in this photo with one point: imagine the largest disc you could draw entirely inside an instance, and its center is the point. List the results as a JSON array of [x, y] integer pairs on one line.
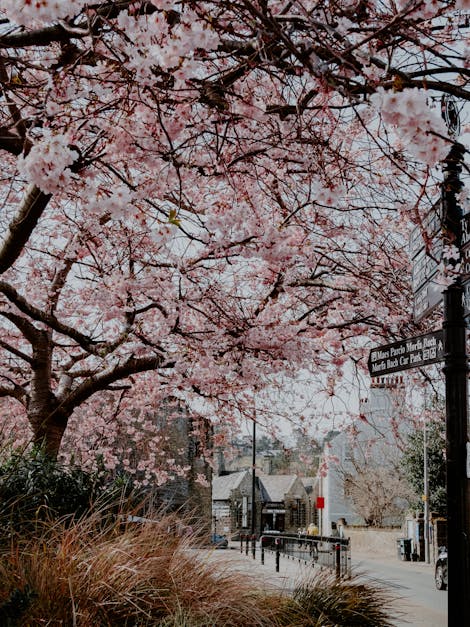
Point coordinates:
[[456, 374], [253, 481]]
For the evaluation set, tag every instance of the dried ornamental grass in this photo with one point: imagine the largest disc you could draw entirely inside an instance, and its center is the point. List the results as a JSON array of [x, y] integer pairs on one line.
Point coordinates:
[[83, 575], [91, 573], [325, 602]]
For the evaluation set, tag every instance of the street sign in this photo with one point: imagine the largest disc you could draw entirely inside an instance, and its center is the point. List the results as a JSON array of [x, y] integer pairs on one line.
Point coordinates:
[[425, 263], [466, 300], [426, 298], [413, 352], [465, 247], [465, 263]]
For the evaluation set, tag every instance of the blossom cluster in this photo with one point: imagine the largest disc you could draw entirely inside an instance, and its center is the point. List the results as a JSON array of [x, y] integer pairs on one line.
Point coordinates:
[[420, 128], [150, 44], [25, 12], [47, 163]]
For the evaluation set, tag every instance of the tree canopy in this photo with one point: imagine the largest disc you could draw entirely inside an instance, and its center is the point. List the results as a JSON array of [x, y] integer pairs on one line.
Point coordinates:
[[199, 198], [413, 465]]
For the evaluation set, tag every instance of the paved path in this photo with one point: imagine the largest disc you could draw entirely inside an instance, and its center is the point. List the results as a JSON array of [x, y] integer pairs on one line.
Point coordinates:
[[400, 578]]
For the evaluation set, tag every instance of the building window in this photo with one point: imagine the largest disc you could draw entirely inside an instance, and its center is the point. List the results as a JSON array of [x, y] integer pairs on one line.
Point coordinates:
[[244, 511]]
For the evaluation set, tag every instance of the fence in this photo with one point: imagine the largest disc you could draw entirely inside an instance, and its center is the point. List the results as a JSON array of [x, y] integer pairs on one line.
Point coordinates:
[[327, 551]]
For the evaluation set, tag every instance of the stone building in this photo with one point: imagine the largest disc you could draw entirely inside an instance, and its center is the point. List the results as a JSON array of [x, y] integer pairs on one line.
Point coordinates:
[[281, 503], [284, 503], [188, 438], [231, 502]]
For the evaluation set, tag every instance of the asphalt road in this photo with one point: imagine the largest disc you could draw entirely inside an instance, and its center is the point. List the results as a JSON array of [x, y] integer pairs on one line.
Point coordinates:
[[419, 602]]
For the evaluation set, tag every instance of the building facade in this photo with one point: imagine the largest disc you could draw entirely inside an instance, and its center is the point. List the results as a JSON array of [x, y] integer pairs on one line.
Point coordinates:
[[371, 442], [281, 503]]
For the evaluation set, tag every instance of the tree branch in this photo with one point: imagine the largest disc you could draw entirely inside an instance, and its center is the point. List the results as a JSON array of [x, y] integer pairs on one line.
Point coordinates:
[[62, 32], [25, 326], [22, 226], [106, 379], [16, 391], [16, 352], [48, 319]]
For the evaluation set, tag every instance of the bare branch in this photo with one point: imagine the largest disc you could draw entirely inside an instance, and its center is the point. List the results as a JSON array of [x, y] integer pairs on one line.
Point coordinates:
[[15, 391], [50, 320]]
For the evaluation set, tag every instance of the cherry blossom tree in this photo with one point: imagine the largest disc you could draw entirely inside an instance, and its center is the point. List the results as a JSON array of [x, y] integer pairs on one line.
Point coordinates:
[[200, 199]]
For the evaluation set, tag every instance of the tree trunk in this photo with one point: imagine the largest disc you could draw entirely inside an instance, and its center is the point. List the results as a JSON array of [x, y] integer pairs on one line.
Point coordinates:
[[49, 428]]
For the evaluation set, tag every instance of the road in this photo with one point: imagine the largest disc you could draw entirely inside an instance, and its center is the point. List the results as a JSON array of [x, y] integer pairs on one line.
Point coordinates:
[[418, 603]]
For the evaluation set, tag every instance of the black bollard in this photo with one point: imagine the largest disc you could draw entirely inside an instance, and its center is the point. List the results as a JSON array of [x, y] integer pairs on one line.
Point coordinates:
[[338, 560]]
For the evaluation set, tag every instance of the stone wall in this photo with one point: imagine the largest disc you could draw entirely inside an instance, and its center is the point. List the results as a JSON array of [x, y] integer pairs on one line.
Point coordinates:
[[373, 542]]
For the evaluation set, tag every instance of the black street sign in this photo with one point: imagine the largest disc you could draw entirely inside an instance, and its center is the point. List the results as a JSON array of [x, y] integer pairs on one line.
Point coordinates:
[[426, 299], [465, 248], [466, 300], [410, 353], [425, 263], [431, 225]]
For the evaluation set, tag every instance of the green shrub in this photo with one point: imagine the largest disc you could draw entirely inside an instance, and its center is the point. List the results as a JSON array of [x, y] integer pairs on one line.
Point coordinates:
[[34, 488]]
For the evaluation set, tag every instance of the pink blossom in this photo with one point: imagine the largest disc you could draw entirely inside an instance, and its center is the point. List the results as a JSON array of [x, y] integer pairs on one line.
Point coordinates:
[[24, 12], [47, 163], [422, 129]]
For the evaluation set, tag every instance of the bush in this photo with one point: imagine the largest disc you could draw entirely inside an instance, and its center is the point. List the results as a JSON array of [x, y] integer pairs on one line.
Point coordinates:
[[34, 487], [148, 575], [73, 557]]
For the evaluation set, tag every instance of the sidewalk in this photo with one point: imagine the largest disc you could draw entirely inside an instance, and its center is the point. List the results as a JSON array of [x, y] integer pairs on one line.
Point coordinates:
[[291, 571]]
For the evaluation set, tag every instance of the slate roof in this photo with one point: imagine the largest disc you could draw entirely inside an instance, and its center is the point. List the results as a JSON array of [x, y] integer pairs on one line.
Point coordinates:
[[275, 487], [223, 485], [309, 483]]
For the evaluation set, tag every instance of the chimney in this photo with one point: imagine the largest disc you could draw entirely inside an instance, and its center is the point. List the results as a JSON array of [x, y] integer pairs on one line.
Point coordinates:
[[268, 464], [220, 463]]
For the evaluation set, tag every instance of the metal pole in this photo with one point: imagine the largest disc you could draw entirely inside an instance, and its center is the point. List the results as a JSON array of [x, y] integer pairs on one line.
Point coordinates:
[[426, 494], [320, 512], [253, 481], [455, 370]]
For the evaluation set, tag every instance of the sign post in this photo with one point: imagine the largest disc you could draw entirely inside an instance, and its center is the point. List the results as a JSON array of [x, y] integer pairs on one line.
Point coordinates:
[[451, 346], [456, 372]]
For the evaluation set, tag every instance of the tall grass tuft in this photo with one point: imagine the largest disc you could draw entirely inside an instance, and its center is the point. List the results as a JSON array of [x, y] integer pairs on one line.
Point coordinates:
[[93, 574], [109, 569], [325, 602]]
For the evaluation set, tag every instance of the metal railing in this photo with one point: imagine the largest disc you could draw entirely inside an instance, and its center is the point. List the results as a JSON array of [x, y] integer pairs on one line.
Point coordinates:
[[327, 551]]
